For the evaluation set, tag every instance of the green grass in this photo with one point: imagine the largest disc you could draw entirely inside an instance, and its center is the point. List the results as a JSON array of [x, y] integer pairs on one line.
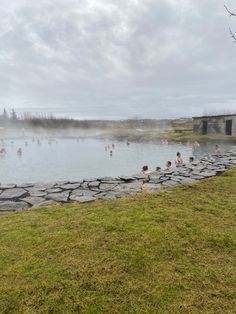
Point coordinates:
[[159, 253], [178, 135], [189, 136]]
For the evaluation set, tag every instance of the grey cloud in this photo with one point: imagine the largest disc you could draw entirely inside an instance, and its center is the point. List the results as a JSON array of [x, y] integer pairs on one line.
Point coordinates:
[[126, 58]]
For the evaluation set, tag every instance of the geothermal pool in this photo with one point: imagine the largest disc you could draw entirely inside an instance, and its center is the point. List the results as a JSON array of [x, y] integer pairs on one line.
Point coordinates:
[[59, 159]]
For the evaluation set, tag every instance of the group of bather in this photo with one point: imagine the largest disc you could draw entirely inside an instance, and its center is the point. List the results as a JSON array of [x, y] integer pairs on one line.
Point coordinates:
[[178, 161], [168, 165], [19, 150]]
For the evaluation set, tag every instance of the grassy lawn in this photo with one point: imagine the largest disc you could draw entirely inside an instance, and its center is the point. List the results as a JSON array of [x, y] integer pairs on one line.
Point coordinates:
[[160, 253], [178, 135]]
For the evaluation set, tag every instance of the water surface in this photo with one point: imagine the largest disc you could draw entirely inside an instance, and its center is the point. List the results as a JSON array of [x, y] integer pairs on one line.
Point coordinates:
[[60, 159]]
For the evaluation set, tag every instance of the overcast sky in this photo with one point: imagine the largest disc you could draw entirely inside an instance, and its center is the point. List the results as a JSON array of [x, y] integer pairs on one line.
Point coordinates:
[[117, 58]]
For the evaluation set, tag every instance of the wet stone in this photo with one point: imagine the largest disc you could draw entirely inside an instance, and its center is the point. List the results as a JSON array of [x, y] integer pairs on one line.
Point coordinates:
[[13, 194], [25, 185], [7, 186], [12, 206]]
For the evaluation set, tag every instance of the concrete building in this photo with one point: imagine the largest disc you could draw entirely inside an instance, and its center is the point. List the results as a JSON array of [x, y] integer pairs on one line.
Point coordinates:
[[220, 124]]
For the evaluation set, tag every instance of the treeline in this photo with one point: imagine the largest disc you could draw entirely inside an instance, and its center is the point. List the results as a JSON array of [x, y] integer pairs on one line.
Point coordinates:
[[13, 120], [27, 120]]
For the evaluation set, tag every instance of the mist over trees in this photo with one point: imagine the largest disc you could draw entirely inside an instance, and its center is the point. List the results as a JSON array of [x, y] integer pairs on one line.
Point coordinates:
[[27, 120], [11, 120]]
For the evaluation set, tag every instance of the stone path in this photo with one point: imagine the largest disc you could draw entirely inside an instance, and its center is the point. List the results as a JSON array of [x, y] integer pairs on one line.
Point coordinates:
[[13, 197]]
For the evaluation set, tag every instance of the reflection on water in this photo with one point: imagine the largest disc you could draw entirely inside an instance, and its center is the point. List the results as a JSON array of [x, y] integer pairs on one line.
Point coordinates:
[[55, 159]]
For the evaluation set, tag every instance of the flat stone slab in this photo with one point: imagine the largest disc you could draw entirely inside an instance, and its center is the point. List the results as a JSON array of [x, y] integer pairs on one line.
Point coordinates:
[[90, 179], [44, 186], [36, 193], [12, 206], [107, 186], [83, 192], [24, 185], [13, 194], [70, 186], [54, 190], [33, 200], [94, 184], [7, 186], [82, 199], [58, 197], [36, 188]]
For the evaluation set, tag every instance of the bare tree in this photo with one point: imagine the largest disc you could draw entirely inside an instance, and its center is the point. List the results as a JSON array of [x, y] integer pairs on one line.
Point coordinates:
[[233, 35]]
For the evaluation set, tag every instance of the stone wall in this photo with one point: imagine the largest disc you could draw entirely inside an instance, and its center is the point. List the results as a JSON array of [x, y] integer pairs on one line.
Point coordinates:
[[21, 196]]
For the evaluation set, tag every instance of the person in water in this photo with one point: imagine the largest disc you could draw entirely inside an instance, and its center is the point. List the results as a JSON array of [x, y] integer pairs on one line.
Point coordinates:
[[158, 169], [2, 151], [178, 159], [218, 150], [168, 165], [145, 170], [19, 151], [191, 159]]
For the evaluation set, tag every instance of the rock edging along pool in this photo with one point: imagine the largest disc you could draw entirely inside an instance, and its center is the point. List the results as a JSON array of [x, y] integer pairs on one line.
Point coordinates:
[[21, 196]]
